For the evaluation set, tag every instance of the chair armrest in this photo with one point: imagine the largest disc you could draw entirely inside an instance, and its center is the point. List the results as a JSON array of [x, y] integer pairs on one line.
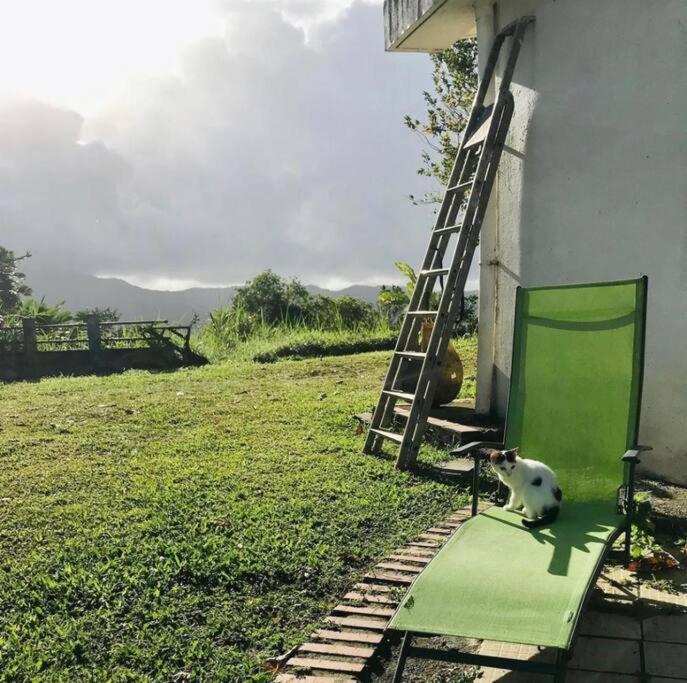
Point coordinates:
[[468, 449], [473, 450], [632, 455]]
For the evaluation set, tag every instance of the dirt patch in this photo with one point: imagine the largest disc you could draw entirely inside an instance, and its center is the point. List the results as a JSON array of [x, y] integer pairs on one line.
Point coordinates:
[[669, 505], [427, 671]]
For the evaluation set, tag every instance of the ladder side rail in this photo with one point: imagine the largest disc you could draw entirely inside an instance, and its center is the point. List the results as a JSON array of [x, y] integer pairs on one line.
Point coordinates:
[[410, 326], [383, 412], [452, 202], [425, 388], [508, 29], [516, 44], [426, 382], [417, 418], [472, 241]]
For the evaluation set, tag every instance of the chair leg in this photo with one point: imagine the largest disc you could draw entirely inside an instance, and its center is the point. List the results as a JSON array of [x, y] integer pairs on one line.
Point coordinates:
[[402, 656], [628, 543], [561, 666]]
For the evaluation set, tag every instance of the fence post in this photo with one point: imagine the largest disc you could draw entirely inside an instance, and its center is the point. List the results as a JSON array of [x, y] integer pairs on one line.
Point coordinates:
[[93, 333], [30, 345]]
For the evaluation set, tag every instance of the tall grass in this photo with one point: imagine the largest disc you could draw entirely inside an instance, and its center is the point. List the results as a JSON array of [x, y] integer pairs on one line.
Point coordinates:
[[232, 333]]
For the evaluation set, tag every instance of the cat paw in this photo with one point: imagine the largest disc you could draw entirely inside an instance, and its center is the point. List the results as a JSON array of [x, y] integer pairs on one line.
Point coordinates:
[[510, 508]]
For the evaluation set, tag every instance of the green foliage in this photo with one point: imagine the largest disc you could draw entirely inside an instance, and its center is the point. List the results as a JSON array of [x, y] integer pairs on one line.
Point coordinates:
[[643, 542], [467, 325], [188, 525], [270, 299], [102, 315], [409, 272], [353, 314], [454, 75], [277, 341], [270, 306], [44, 313], [319, 344], [393, 301], [12, 286]]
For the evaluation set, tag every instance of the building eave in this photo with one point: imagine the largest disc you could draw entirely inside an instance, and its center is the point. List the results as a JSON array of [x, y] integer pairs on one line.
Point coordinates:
[[427, 25]]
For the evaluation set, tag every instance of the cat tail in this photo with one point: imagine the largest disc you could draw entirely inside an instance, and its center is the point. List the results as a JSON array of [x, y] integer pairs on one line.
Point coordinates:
[[548, 517]]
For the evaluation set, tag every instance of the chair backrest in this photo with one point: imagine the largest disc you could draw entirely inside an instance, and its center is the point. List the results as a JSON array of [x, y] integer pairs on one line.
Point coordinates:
[[576, 381]]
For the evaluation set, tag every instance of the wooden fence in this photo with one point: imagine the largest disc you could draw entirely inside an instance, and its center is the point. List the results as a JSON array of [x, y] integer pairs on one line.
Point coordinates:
[[34, 349]]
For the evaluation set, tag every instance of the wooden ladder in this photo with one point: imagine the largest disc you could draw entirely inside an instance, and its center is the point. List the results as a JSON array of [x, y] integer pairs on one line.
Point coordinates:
[[461, 214]]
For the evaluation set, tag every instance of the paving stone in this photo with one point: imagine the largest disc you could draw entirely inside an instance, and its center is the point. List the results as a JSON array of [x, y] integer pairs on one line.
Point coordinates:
[[617, 582], [505, 676], [493, 648], [606, 654], [668, 629], [609, 624], [516, 651], [666, 659], [652, 595]]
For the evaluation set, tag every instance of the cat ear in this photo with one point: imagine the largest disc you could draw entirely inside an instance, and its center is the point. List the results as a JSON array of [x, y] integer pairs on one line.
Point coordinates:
[[511, 454], [495, 456]]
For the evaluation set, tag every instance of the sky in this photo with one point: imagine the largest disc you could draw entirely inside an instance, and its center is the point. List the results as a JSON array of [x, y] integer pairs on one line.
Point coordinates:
[[175, 144]]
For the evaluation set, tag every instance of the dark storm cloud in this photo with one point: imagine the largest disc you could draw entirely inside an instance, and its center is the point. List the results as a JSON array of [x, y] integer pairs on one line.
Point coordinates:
[[264, 152]]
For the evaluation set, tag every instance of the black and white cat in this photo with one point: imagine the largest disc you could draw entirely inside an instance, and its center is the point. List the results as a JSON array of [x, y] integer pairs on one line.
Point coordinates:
[[532, 485]]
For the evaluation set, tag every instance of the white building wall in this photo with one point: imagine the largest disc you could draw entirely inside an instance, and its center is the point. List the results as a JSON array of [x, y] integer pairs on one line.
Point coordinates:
[[593, 186]]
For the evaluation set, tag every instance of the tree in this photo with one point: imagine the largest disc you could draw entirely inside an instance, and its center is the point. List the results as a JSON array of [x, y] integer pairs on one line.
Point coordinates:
[[355, 313], [454, 75], [12, 286], [102, 315], [44, 313], [263, 297], [468, 320], [270, 298], [393, 302], [322, 312]]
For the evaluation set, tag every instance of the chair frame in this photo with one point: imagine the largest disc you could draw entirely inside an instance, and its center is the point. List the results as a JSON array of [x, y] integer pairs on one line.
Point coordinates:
[[558, 668], [626, 507]]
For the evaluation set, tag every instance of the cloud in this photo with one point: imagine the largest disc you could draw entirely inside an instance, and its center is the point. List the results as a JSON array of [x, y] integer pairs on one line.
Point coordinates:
[[265, 151]]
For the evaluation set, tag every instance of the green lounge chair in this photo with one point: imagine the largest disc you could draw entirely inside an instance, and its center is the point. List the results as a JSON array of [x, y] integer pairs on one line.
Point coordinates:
[[575, 393]]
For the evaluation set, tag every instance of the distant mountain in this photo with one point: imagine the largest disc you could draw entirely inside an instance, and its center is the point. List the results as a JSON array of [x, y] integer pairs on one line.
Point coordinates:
[[80, 291]]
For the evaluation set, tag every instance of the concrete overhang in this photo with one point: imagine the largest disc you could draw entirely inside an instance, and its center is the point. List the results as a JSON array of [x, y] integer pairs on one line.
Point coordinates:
[[427, 25]]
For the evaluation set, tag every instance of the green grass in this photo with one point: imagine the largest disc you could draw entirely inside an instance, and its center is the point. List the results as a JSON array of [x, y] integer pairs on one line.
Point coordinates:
[[312, 344], [267, 343], [191, 523]]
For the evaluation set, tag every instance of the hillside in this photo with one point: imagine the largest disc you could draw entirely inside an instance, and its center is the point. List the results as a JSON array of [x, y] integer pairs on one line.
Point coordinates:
[[79, 291]]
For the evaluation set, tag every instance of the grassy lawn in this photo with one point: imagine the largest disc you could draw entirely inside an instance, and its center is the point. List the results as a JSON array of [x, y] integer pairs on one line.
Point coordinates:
[[194, 522]]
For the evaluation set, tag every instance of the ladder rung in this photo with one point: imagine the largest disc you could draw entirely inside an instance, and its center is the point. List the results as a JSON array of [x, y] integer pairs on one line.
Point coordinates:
[[392, 436], [399, 394], [422, 314], [450, 228], [411, 354], [460, 186], [435, 271]]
